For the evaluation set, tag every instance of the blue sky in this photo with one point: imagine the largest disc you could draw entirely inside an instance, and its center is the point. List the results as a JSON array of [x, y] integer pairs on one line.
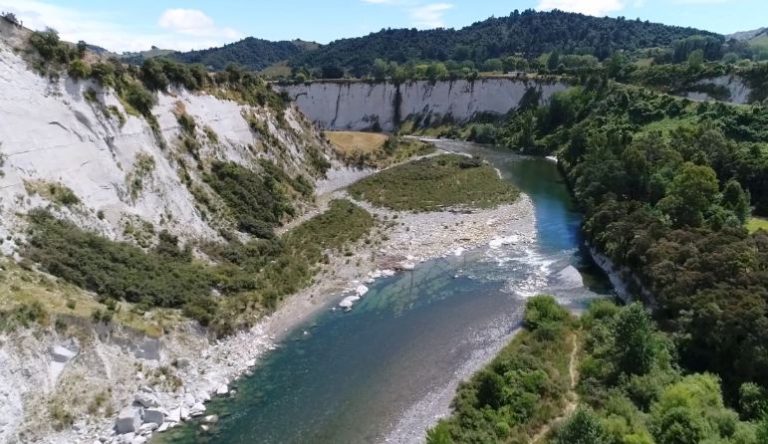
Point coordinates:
[[131, 25]]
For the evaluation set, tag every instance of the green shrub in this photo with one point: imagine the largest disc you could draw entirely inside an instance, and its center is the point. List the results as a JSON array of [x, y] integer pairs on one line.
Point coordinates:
[[78, 69], [23, 315], [256, 201], [141, 99]]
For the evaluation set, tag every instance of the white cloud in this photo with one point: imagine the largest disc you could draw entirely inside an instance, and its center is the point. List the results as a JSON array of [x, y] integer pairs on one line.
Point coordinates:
[[429, 16], [421, 14], [193, 22], [590, 7], [103, 29]]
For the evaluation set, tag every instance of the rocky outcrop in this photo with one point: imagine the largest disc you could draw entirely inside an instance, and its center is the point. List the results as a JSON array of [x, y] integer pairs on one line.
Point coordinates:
[[351, 105], [727, 88], [79, 136]]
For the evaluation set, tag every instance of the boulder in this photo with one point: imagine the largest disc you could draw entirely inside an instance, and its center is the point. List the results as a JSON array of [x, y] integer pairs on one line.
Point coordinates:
[[222, 390], [197, 410], [62, 354], [128, 421], [148, 428], [154, 416], [174, 415], [146, 400]]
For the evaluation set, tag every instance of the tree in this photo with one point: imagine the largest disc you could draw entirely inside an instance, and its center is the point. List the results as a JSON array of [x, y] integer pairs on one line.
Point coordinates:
[[696, 59], [332, 72], [582, 428], [81, 48], [736, 200], [436, 71], [553, 61], [493, 65], [380, 69], [153, 76], [691, 193], [636, 347], [753, 401]]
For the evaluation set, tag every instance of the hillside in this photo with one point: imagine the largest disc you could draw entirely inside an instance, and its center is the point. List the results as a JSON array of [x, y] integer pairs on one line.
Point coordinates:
[[748, 35], [528, 33], [251, 53]]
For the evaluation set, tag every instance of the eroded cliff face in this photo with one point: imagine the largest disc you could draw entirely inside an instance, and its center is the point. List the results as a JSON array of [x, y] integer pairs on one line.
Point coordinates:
[[343, 105], [728, 88], [66, 134], [74, 148]]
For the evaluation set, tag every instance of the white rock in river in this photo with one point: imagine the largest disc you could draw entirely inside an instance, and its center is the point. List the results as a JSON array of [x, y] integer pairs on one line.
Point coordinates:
[[348, 302], [459, 251], [128, 421], [569, 277], [222, 389], [500, 241], [211, 419], [361, 290], [408, 266]]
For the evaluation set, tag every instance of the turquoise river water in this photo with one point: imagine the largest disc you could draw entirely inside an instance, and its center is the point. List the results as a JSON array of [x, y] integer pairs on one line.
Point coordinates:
[[384, 371]]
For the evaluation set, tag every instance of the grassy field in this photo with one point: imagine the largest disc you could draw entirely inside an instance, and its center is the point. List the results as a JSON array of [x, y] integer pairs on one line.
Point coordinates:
[[436, 183], [375, 149], [757, 223]]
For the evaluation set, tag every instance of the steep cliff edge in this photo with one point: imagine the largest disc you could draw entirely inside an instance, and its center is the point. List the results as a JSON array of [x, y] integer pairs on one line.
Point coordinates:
[[352, 105], [80, 151], [79, 136]]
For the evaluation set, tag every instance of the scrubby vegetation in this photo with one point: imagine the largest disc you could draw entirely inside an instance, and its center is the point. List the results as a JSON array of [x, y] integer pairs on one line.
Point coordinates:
[[113, 270], [633, 391], [252, 276], [54, 192], [259, 202], [630, 388], [522, 389], [436, 183]]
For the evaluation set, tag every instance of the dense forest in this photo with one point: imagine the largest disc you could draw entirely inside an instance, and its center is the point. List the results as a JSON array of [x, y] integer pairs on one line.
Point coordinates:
[[250, 53], [667, 186], [523, 35], [528, 33]]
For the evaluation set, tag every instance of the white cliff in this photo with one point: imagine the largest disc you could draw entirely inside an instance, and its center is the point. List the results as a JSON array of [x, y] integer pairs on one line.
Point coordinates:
[[366, 105], [52, 135]]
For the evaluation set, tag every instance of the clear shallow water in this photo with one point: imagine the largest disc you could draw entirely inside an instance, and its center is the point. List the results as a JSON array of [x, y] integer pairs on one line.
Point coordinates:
[[382, 372]]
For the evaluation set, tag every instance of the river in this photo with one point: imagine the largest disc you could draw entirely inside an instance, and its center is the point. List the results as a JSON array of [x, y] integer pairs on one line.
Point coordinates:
[[386, 370]]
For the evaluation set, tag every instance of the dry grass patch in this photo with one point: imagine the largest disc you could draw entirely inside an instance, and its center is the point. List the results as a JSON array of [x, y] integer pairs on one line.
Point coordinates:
[[376, 150], [349, 143]]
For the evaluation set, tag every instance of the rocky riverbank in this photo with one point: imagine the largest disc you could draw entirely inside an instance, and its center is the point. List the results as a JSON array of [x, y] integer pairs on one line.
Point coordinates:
[[174, 385]]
